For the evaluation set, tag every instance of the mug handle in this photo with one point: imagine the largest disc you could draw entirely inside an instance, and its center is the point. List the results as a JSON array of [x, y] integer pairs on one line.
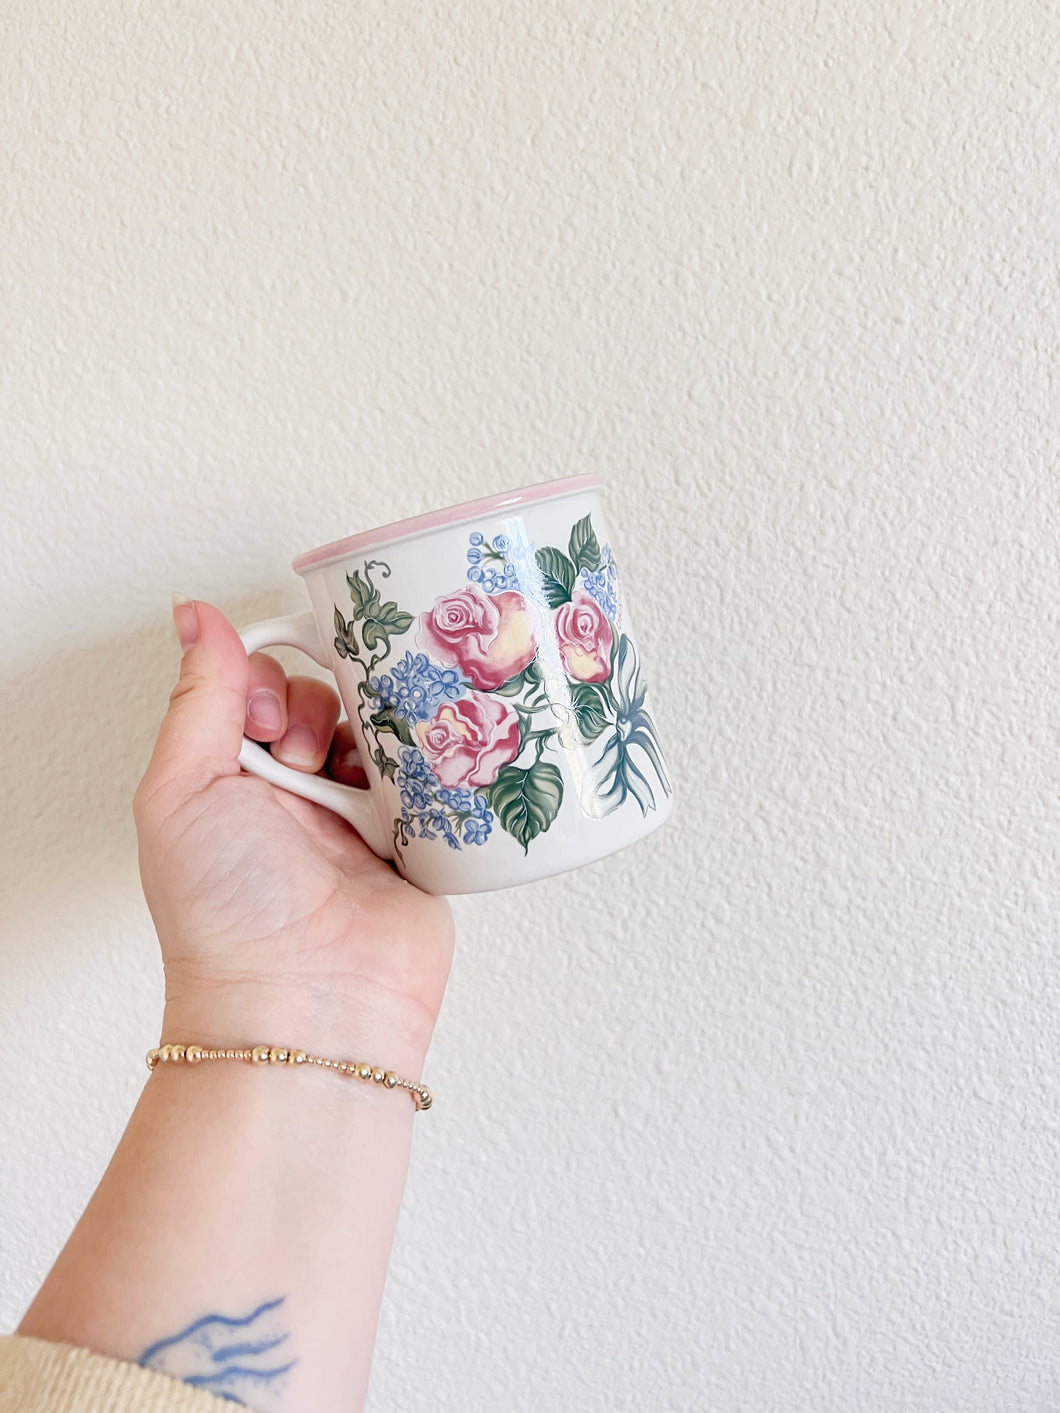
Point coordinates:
[[299, 630]]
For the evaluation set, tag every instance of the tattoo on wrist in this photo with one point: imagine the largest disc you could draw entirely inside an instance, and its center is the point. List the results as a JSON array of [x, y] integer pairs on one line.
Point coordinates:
[[229, 1357]]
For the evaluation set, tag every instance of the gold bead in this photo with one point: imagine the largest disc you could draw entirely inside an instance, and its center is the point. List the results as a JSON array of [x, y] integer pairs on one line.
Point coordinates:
[[283, 1055]]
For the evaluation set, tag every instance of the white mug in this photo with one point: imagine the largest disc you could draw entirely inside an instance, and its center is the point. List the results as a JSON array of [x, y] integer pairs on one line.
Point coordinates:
[[486, 661]]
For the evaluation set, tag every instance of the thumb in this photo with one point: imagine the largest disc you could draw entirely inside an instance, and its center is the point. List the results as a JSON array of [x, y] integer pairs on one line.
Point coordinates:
[[202, 732]]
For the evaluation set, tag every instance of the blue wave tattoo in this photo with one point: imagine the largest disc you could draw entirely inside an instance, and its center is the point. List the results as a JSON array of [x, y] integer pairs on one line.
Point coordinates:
[[209, 1355]]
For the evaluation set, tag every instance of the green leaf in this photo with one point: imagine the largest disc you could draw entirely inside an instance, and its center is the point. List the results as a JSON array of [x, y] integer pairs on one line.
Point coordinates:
[[646, 739], [558, 575], [626, 673], [386, 720], [614, 788], [621, 772], [372, 634], [526, 681], [526, 801], [608, 696], [393, 619], [384, 764], [363, 596], [584, 546], [514, 687], [384, 622], [343, 645], [591, 709]]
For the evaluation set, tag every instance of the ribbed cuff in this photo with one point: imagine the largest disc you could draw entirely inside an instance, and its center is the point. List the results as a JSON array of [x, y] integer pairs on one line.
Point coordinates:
[[37, 1376]]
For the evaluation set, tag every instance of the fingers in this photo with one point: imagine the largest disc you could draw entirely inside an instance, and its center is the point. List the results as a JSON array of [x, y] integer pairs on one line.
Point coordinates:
[[344, 761], [266, 699], [312, 710], [297, 715], [219, 695], [202, 732]]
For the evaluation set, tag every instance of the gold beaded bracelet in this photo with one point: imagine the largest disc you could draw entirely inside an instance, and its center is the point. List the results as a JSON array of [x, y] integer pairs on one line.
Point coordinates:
[[282, 1055]]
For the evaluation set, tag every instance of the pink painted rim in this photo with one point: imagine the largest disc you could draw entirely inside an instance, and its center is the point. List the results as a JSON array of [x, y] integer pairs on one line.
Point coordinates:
[[435, 519]]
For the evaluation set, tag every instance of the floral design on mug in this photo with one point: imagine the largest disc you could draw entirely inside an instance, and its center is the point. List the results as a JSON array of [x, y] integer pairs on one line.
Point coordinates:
[[489, 638], [585, 638], [467, 742], [527, 657]]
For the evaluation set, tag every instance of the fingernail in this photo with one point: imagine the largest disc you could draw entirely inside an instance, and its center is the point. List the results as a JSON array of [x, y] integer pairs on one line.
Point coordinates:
[[185, 621], [264, 710], [299, 748]]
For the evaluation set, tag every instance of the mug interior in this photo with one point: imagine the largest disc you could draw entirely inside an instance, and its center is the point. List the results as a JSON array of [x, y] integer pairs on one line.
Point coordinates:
[[467, 510]]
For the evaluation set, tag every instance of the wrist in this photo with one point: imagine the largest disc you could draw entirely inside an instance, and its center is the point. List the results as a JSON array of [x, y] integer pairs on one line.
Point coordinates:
[[338, 1023]]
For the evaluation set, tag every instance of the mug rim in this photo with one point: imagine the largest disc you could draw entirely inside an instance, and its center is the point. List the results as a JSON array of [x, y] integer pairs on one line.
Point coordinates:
[[399, 530]]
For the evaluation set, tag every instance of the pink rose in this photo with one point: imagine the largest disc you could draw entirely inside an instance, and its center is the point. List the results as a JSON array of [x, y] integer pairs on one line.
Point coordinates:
[[467, 742], [585, 638], [489, 639]]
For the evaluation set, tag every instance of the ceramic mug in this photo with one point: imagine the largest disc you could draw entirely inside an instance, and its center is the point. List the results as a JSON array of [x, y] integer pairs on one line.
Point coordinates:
[[486, 661]]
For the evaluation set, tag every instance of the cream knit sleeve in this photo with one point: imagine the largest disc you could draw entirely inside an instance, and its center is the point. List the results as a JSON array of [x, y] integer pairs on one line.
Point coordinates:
[[39, 1377]]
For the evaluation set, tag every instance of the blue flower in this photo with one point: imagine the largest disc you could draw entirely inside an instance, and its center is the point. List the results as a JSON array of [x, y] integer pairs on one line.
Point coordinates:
[[415, 782], [448, 684], [414, 764], [603, 587], [459, 800], [416, 687], [477, 829], [493, 580], [415, 796], [490, 562], [429, 809]]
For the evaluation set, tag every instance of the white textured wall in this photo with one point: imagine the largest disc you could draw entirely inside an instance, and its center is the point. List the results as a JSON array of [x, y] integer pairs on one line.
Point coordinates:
[[763, 1114]]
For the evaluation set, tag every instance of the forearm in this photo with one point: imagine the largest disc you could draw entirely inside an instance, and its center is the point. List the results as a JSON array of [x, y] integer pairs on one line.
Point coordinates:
[[241, 1233], [238, 1187]]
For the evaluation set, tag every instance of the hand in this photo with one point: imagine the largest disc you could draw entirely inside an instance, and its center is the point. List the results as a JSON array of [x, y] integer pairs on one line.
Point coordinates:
[[277, 923]]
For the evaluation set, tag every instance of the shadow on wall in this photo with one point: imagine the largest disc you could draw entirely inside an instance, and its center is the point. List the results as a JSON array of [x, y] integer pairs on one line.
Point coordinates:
[[76, 731]]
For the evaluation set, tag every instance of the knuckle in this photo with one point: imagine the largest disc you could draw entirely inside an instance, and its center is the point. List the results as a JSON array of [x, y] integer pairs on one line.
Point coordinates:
[[184, 686]]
